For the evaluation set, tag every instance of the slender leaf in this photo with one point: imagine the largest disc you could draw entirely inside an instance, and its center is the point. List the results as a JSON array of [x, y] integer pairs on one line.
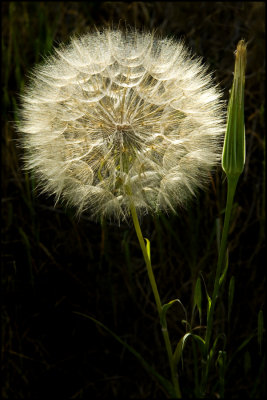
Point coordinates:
[[164, 309], [198, 297], [209, 304], [247, 362], [148, 248], [201, 343], [177, 355]]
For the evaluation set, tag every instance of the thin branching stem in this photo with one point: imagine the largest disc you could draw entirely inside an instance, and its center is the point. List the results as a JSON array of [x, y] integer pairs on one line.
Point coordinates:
[[231, 187], [152, 280]]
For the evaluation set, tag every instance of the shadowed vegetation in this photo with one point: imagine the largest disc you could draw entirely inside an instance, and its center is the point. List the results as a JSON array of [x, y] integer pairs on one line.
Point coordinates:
[[54, 266]]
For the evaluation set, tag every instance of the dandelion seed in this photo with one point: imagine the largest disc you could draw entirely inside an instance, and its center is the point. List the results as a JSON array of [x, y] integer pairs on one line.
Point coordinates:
[[114, 118]]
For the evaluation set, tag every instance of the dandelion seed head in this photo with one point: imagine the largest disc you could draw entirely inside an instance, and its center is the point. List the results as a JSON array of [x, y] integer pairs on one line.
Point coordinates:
[[118, 117]]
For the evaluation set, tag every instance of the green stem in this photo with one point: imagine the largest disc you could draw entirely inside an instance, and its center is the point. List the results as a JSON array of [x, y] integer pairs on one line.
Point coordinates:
[[157, 299], [231, 187]]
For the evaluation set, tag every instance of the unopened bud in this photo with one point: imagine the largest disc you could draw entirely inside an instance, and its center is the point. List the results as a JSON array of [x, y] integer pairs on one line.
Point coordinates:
[[233, 159]]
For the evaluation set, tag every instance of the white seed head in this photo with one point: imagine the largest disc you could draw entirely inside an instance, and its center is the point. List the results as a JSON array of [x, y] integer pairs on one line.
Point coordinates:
[[119, 117]]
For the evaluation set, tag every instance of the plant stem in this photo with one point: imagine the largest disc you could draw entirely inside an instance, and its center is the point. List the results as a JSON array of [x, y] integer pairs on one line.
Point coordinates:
[[157, 300], [231, 187]]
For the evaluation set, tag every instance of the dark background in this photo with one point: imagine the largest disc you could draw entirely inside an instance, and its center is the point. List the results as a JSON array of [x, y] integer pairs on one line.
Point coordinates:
[[54, 265]]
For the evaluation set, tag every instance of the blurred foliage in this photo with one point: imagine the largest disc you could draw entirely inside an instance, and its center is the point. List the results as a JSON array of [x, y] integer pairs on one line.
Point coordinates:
[[54, 265]]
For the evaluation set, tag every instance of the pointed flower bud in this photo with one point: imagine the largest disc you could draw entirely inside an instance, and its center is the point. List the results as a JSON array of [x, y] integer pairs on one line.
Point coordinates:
[[233, 159]]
